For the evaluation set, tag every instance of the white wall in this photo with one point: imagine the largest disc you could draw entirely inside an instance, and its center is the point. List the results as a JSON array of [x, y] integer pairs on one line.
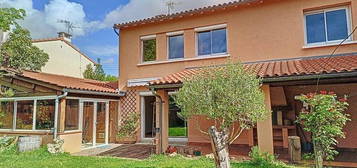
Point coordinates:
[[63, 59]]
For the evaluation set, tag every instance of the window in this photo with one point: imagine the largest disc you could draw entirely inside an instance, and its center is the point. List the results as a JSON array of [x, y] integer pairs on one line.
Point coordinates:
[[176, 47], [24, 115], [148, 49], [212, 42], [72, 115], [327, 25], [45, 114], [6, 115]]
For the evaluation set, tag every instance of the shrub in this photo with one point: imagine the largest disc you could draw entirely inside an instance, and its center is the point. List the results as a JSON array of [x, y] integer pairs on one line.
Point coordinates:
[[129, 126], [261, 158]]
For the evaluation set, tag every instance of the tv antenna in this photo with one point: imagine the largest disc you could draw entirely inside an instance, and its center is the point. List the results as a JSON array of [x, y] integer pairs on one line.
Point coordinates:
[[69, 25], [171, 4]]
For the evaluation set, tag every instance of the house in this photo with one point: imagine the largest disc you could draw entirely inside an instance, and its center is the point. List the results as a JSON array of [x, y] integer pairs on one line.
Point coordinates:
[[62, 53], [82, 112], [288, 43]]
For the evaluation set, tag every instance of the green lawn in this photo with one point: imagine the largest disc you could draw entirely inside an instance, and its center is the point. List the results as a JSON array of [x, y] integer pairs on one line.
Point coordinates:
[[177, 131], [42, 159]]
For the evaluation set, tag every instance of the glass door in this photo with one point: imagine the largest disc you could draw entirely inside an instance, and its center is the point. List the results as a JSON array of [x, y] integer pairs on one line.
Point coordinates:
[[88, 125], [101, 123]]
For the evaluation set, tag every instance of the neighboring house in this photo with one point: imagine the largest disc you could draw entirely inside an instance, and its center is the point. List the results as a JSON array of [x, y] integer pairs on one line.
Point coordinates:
[[288, 43], [64, 57], [82, 112]]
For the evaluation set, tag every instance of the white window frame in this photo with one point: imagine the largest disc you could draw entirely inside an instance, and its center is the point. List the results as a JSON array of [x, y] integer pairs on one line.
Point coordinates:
[[211, 28], [80, 116], [172, 34], [34, 100], [324, 11], [142, 39]]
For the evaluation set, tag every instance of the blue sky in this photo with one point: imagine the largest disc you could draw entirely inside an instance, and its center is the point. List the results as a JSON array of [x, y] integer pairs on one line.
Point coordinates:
[[106, 36], [95, 19]]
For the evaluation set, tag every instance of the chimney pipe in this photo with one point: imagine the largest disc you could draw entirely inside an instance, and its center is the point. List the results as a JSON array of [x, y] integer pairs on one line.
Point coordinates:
[[65, 36]]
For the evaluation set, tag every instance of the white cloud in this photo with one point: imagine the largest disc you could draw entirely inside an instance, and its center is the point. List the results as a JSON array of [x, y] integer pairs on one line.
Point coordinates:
[[44, 24], [139, 9], [103, 51]]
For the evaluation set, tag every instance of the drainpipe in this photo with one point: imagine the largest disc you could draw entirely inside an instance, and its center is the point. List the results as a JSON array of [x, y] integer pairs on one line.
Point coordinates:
[[160, 117], [55, 129]]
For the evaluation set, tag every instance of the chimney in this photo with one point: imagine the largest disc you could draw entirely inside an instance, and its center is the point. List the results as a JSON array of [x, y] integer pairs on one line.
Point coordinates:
[[65, 36]]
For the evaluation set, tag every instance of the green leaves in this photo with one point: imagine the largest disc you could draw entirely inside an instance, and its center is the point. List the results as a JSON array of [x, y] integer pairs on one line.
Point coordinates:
[[324, 117], [98, 73], [8, 17], [19, 53], [226, 94]]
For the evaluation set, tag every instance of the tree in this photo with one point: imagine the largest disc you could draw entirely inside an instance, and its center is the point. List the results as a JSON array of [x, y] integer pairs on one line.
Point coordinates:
[[18, 52], [89, 72], [229, 95], [324, 117], [8, 17], [98, 73]]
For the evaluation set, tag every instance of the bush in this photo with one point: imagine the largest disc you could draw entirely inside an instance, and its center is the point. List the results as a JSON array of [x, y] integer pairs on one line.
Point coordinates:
[[130, 125], [263, 159]]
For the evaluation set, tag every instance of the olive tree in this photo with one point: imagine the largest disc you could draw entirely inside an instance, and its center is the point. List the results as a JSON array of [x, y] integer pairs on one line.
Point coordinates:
[[324, 117], [229, 95]]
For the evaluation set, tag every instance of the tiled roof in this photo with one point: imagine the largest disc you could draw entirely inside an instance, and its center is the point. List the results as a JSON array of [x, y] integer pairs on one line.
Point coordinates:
[[65, 41], [70, 82], [203, 10], [281, 68]]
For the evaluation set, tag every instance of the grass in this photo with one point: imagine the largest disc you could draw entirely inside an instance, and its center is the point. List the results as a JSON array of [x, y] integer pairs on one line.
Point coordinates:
[[177, 131], [41, 158]]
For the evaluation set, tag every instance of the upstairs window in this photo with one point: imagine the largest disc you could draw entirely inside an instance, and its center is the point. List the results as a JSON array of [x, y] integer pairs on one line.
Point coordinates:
[[330, 25], [212, 42], [176, 47], [148, 48]]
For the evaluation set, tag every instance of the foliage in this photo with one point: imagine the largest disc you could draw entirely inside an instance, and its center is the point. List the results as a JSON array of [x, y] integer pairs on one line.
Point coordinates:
[[225, 94], [149, 50], [8, 17], [129, 125], [324, 117], [308, 156], [19, 53], [98, 73], [56, 147], [8, 92], [7, 143], [261, 158]]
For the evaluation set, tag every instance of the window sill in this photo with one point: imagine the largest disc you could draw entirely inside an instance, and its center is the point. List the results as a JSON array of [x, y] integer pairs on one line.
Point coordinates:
[[328, 44], [185, 59]]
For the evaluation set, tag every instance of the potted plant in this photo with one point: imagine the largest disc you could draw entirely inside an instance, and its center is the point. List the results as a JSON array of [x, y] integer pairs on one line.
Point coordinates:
[[128, 128]]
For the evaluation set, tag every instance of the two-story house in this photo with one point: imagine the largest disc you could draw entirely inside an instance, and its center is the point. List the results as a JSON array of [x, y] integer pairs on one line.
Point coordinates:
[[288, 43]]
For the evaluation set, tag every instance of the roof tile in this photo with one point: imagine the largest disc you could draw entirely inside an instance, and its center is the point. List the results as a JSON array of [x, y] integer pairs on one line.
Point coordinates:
[[70, 82], [281, 68]]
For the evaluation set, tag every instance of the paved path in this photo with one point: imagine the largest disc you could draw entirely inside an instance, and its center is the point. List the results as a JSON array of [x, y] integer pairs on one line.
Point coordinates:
[[135, 151], [96, 151]]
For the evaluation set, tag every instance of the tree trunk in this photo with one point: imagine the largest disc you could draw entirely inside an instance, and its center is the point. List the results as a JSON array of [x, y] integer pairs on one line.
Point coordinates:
[[318, 156], [219, 142]]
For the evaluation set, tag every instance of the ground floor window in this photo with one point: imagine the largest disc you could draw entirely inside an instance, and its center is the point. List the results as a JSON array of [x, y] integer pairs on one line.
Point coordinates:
[[6, 115], [27, 114], [177, 124], [45, 114], [24, 116], [72, 115]]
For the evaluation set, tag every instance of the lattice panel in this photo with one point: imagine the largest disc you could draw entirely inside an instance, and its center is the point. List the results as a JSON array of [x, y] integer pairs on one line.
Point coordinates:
[[128, 104]]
